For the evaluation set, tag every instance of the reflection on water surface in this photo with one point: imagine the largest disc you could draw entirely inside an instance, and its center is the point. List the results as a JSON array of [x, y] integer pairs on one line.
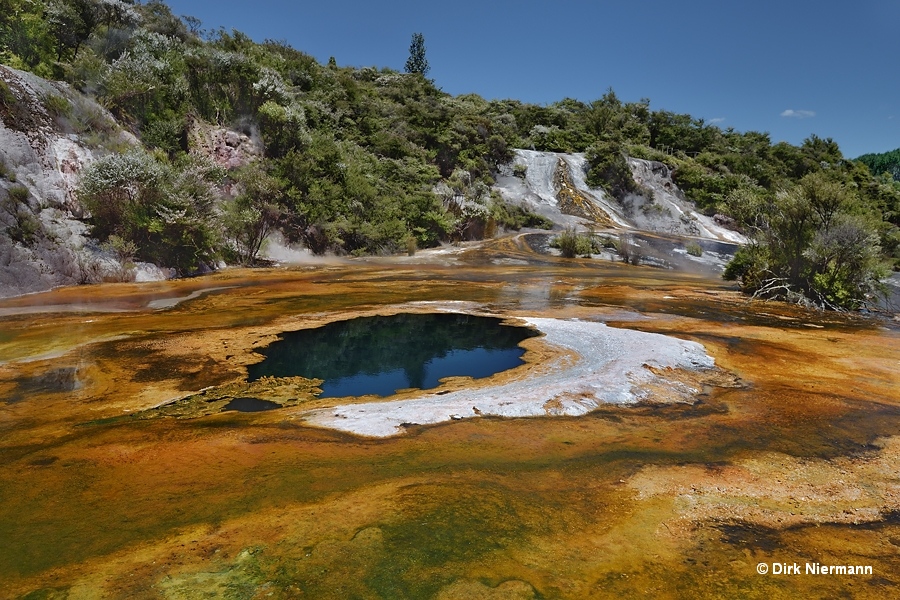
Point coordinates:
[[379, 355], [250, 405]]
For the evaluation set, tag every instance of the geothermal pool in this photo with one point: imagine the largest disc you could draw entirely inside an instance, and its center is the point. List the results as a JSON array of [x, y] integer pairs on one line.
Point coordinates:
[[382, 354]]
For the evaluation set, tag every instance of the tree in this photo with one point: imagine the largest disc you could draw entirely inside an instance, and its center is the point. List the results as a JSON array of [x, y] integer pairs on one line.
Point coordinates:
[[810, 246], [71, 23], [252, 215], [417, 63]]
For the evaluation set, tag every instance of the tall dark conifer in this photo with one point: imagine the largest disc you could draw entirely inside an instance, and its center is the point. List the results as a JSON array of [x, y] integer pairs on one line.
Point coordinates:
[[417, 63]]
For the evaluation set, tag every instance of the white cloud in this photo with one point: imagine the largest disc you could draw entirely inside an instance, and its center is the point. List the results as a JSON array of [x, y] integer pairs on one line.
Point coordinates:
[[798, 114], [717, 120]]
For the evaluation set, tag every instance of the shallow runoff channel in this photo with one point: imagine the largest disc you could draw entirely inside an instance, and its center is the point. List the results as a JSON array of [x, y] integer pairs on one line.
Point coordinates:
[[610, 366]]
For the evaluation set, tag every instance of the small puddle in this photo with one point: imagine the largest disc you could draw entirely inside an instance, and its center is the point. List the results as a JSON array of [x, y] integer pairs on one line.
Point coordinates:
[[250, 405], [380, 355]]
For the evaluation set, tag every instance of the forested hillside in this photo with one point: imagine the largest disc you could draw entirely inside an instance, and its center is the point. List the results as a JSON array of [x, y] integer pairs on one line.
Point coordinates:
[[885, 162], [372, 160]]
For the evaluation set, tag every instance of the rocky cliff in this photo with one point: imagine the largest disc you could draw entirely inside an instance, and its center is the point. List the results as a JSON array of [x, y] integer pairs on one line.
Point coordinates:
[[48, 133]]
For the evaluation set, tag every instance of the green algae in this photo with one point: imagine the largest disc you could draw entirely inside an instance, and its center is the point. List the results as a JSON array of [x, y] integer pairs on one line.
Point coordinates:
[[282, 391]]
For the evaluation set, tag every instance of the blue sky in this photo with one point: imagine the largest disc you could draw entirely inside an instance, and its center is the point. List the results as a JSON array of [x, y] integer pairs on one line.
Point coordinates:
[[789, 67]]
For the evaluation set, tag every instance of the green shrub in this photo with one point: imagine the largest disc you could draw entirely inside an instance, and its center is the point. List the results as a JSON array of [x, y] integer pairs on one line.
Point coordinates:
[[165, 134], [647, 153], [251, 215], [515, 217], [166, 211], [694, 249], [124, 250], [706, 187], [811, 249], [24, 225], [19, 193], [572, 244], [609, 242], [748, 266], [609, 169], [25, 229], [7, 98], [57, 106]]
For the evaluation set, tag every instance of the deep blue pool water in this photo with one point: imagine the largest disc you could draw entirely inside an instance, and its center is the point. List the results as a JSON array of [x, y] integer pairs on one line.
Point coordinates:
[[379, 355]]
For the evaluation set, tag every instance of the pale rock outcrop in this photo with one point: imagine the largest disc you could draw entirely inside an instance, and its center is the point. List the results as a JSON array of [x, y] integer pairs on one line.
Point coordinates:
[[43, 241], [663, 207], [554, 185], [227, 148]]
